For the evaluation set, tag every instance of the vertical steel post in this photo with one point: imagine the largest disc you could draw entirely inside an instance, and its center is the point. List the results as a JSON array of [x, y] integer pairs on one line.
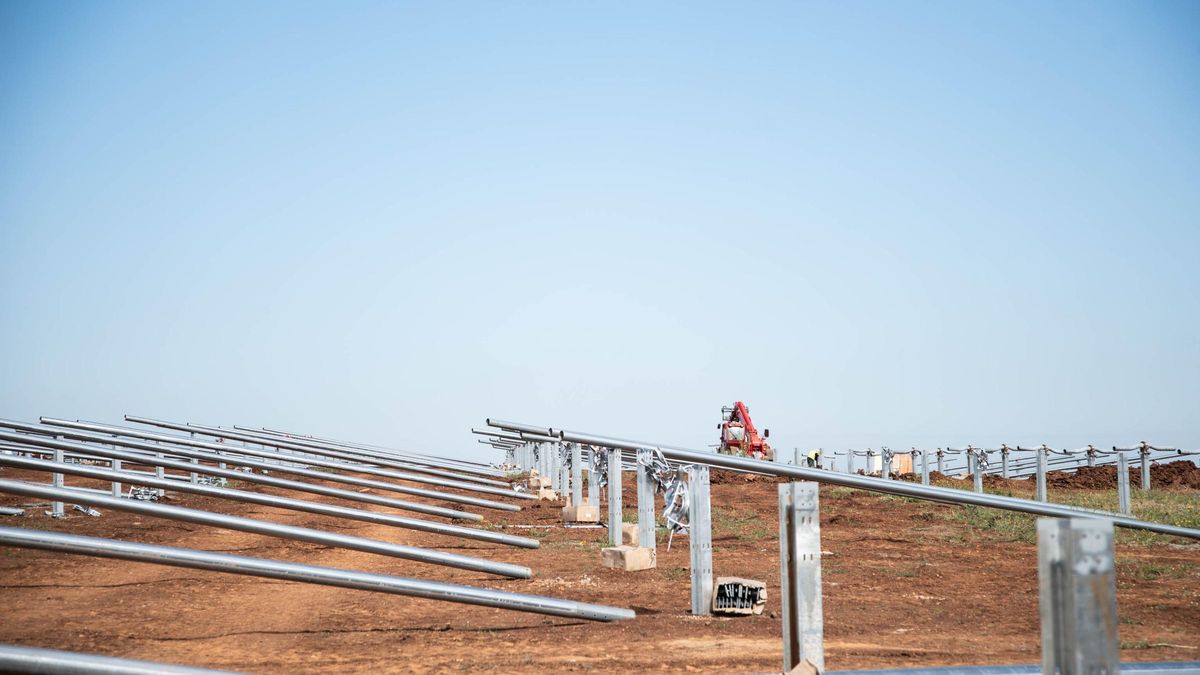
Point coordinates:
[[576, 474], [564, 473], [799, 457], [1078, 596], [195, 477], [645, 498], [56, 508], [1144, 451], [977, 473], [700, 541], [593, 491], [885, 470], [870, 462], [941, 457], [800, 575], [1091, 456], [1041, 474], [159, 471], [1126, 508], [924, 467], [971, 463], [615, 516], [1004, 462], [115, 465]]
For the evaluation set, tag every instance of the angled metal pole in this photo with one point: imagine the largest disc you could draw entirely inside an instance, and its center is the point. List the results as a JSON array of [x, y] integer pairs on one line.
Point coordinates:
[[268, 528], [20, 659], [273, 500], [208, 451], [97, 433], [479, 468], [288, 571], [800, 575], [160, 463]]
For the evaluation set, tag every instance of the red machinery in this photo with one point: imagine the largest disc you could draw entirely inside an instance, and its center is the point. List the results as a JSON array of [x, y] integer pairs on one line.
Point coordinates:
[[740, 437]]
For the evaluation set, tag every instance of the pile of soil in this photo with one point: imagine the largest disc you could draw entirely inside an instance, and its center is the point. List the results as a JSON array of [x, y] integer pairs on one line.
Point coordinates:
[[1180, 474], [725, 477]]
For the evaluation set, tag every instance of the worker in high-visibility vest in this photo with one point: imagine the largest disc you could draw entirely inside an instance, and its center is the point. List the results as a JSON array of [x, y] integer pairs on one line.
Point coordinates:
[[814, 458]]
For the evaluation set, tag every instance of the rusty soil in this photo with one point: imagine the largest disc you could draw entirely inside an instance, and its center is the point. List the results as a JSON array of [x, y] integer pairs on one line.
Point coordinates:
[[905, 583]]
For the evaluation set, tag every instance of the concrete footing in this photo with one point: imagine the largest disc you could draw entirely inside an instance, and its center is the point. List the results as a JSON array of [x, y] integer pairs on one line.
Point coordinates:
[[584, 513], [629, 558]]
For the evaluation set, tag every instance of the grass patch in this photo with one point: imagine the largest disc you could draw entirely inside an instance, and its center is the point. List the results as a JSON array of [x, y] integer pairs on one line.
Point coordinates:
[[742, 524]]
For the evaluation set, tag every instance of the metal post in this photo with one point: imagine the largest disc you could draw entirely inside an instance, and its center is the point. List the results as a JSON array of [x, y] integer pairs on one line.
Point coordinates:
[[576, 474], [870, 461], [885, 455], [1123, 485], [1078, 596], [645, 498], [941, 461], [700, 541], [615, 516], [56, 508], [195, 477], [799, 457], [159, 471], [116, 485], [977, 472], [1144, 451], [800, 575], [1004, 462], [1041, 474], [971, 461], [1091, 456], [564, 473], [924, 467]]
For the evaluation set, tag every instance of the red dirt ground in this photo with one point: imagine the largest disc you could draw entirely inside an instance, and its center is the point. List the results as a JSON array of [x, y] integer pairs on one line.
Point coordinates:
[[902, 587]]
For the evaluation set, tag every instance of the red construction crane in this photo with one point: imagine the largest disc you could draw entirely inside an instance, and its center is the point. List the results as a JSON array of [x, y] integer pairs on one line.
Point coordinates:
[[739, 435]]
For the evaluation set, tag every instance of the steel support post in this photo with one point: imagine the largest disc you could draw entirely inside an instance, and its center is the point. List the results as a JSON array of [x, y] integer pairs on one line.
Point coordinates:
[[1145, 457], [576, 474], [799, 457], [564, 473], [1004, 463], [593, 492], [941, 461], [1126, 508], [700, 540], [115, 465], [1041, 475], [977, 470], [870, 462], [1078, 596], [615, 515], [56, 508], [800, 575], [885, 464], [1091, 456], [645, 498], [924, 467], [159, 471], [193, 476]]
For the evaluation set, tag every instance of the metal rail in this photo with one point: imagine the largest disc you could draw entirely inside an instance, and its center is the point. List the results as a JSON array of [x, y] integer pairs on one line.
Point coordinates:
[[288, 571], [926, 492], [272, 500], [145, 460], [290, 445], [193, 449], [270, 454], [19, 659], [441, 466], [481, 468], [268, 528]]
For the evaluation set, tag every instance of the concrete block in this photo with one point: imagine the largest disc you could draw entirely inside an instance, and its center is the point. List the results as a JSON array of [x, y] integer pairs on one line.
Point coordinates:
[[584, 513], [629, 558], [546, 494], [537, 482], [629, 534]]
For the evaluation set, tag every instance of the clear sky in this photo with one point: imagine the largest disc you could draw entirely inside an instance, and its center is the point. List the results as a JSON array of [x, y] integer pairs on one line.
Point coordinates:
[[929, 223]]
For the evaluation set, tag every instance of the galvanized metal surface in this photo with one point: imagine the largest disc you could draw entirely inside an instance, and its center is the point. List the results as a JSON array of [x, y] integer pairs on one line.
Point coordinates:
[[932, 493], [20, 659], [1077, 585], [800, 575], [700, 540], [273, 500], [160, 463], [288, 571], [268, 528]]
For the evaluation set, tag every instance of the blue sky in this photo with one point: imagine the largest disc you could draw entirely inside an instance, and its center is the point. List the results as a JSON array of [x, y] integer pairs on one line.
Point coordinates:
[[877, 223]]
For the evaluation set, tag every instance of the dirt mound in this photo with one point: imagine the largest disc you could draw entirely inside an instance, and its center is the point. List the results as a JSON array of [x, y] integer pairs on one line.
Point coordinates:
[[723, 477], [1180, 474]]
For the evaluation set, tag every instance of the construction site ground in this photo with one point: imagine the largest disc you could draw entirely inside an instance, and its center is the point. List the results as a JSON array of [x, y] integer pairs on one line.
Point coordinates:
[[905, 583]]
